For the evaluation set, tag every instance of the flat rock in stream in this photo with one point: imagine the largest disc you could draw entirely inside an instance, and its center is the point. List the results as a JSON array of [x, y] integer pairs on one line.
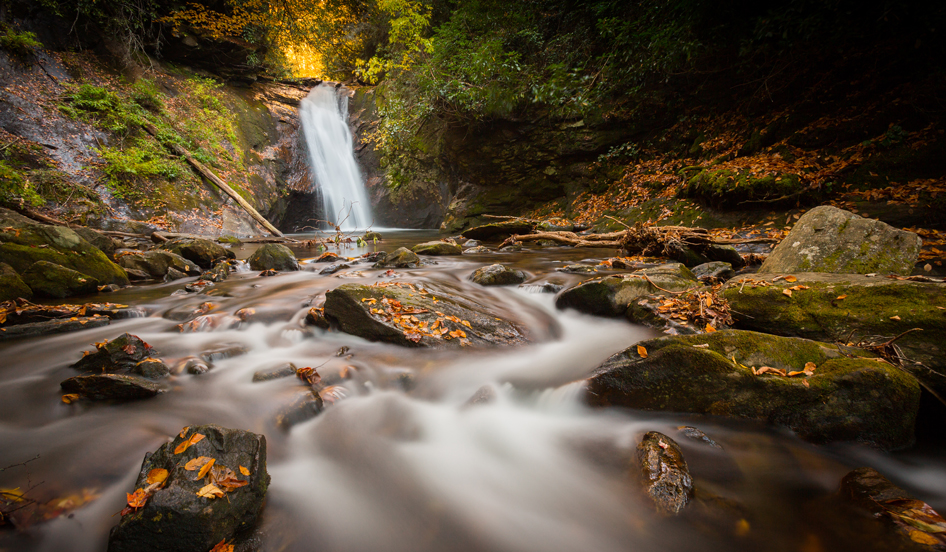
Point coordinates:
[[664, 472], [848, 396], [175, 517], [49, 327], [275, 256], [612, 295], [410, 315], [112, 387], [203, 253], [437, 248], [497, 275], [401, 257]]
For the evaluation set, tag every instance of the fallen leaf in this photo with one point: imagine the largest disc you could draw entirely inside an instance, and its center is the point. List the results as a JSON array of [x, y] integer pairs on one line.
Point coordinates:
[[137, 499], [642, 351], [195, 438], [895, 318], [130, 349], [769, 370], [840, 297], [197, 463], [710, 328], [810, 368], [210, 491], [791, 279], [923, 538], [184, 432], [244, 471], [787, 291], [805, 383], [70, 398], [222, 546], [157, 475], [206, 468]]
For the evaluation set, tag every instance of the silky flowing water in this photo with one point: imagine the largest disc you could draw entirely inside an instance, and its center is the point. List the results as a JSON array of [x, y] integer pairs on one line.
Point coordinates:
[[398, 463]]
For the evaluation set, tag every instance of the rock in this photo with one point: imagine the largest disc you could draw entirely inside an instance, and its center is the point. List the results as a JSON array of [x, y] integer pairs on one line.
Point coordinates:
[[855, 398], [156, 263], [137, 275], [834, 305], [544, 287], [193, 365], [725, 254], [555, 225], [327, 257], [152, 368], [333, 268], [24, 242], [121, 354], [230, 240], [511, 248], [402, 257], [477, 249], [174, 274], [203, 253], [283, 371], [51, 280], [49, 327], [104, 243], [374, 256], [370, 237], [712, 273], [305, 406], [828, 239], [273, 256], [612, 295], [228, 350], [437, 248], [397, 306], [470, 243], [646, 311], [497, 230], [175, 517], [664, 472], [316, 317], [695, 434], [11, 285], [682, 253], [112, 387], [484, 395], [497, 275], [219, 272], [110, 288], [578, 269]]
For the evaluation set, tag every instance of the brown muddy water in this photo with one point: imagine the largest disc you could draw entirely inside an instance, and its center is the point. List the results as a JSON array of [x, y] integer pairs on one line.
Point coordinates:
[[397, 463]]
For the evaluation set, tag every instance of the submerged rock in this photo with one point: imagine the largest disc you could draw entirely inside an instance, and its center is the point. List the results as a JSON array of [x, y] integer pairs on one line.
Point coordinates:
[[437, 248], [848, 396], [497, 275], [409, 315], [484, 395], [402, 257], [203, 253], [664, 472], [828, 239], [273, 256], [283, 371], [305, 406], [52, 280], [12, 285], [184, 513], [612, 295]]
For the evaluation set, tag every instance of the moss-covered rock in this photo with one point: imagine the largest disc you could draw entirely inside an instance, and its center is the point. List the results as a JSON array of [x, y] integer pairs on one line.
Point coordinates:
[[437, 248], [230, 240], [849, 397], [106, 244], [401, 257], [201, 252], [52, 280], [731, 187], [828, 239], [497, 275], [11, 285], [409, 315], [715, 272], [24, 242], [273, 256], [611, 296], [835, 305], [156, 263], [498, 230]]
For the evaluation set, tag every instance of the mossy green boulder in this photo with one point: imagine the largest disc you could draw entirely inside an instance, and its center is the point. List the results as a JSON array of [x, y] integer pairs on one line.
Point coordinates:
[[828, 239], [849, 308], [106, 244], [612, 295], [401, 257], [273, 256], [850, 396], [12, 285], [732, 187], [203, 253], [437, 248], [24, 242], [157, 263], [498, 230], [51, 280]]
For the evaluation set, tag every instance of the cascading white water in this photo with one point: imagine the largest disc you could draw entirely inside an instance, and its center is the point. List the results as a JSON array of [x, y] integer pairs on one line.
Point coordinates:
[[324, 116]]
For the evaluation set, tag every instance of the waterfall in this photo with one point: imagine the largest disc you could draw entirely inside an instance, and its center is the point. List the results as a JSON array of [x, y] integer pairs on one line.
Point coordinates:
[[324, 116]]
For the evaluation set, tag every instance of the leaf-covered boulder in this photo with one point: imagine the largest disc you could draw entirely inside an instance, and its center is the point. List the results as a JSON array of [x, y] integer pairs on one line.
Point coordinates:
[[664, 472], [828, 239], [156, 263], [835, 393], [612, 295], [274, 256], [203, 487], [412, 316], [12, 285], [203, 253], [24, 242], [401, 257], [120, 354], [52, 280], [497, 275], [437, 248], [851, 308]]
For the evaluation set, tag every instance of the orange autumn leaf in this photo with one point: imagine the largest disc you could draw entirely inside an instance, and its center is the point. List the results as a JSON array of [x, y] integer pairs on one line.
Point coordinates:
[[810, 368], [197, 463], [222, 546], [210, 491], [70, 398], [184, 432], [787, 292], [137, 499], [710, 328], [195, 438], [157, 475], [895, 318], [791, 279], [840, 297], [768, 370], [642, 351], [244, 471], [206, 468]]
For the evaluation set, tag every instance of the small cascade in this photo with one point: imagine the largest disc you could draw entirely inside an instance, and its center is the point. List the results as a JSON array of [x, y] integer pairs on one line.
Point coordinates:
[[324, 116]]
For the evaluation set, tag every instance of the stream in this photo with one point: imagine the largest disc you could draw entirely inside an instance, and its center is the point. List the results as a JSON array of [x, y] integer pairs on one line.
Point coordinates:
[[398, 463]]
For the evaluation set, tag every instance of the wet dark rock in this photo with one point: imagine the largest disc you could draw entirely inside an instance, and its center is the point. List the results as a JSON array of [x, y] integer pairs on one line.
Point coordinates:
[[349, 306], [137, 275], [152, 368], [850, 396], [544, 287], [52, 280], [828, 239], [724, 254], [305, 406], [483, 395], [437, 248], [11, 285], [664, 472], [273, 256], [104, 243], [837, 304], [219, 272], [121, 354], [316, 317], [228, 350], [112, 387], [374, 256], [470, 243], [477, 249], [175, 518], [327, 257], [198, 286], [193, 365], [203, 253], [498, 230], [269, 272], [49, 327], [612, 295], [401, 257], [156, 263], [333, 268], [712, 273], [174, 274], [283, 371], [110, 288], [697, 435], [511, 248], [578, 269], [497, 275], [342, 351]]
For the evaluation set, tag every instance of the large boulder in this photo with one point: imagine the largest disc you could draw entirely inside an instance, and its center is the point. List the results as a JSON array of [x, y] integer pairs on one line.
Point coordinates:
[[186, 513], [106, 244], [122, 368], [52, 280], [12, 285], [401, 257], [828, 239], [273, 256], [123, 387], [612, 295], [837, 394], [156, 263], [852, 307], [409, 315], [120, 354], [24, 242], [497, 275], [437, 248], [201, 252]]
